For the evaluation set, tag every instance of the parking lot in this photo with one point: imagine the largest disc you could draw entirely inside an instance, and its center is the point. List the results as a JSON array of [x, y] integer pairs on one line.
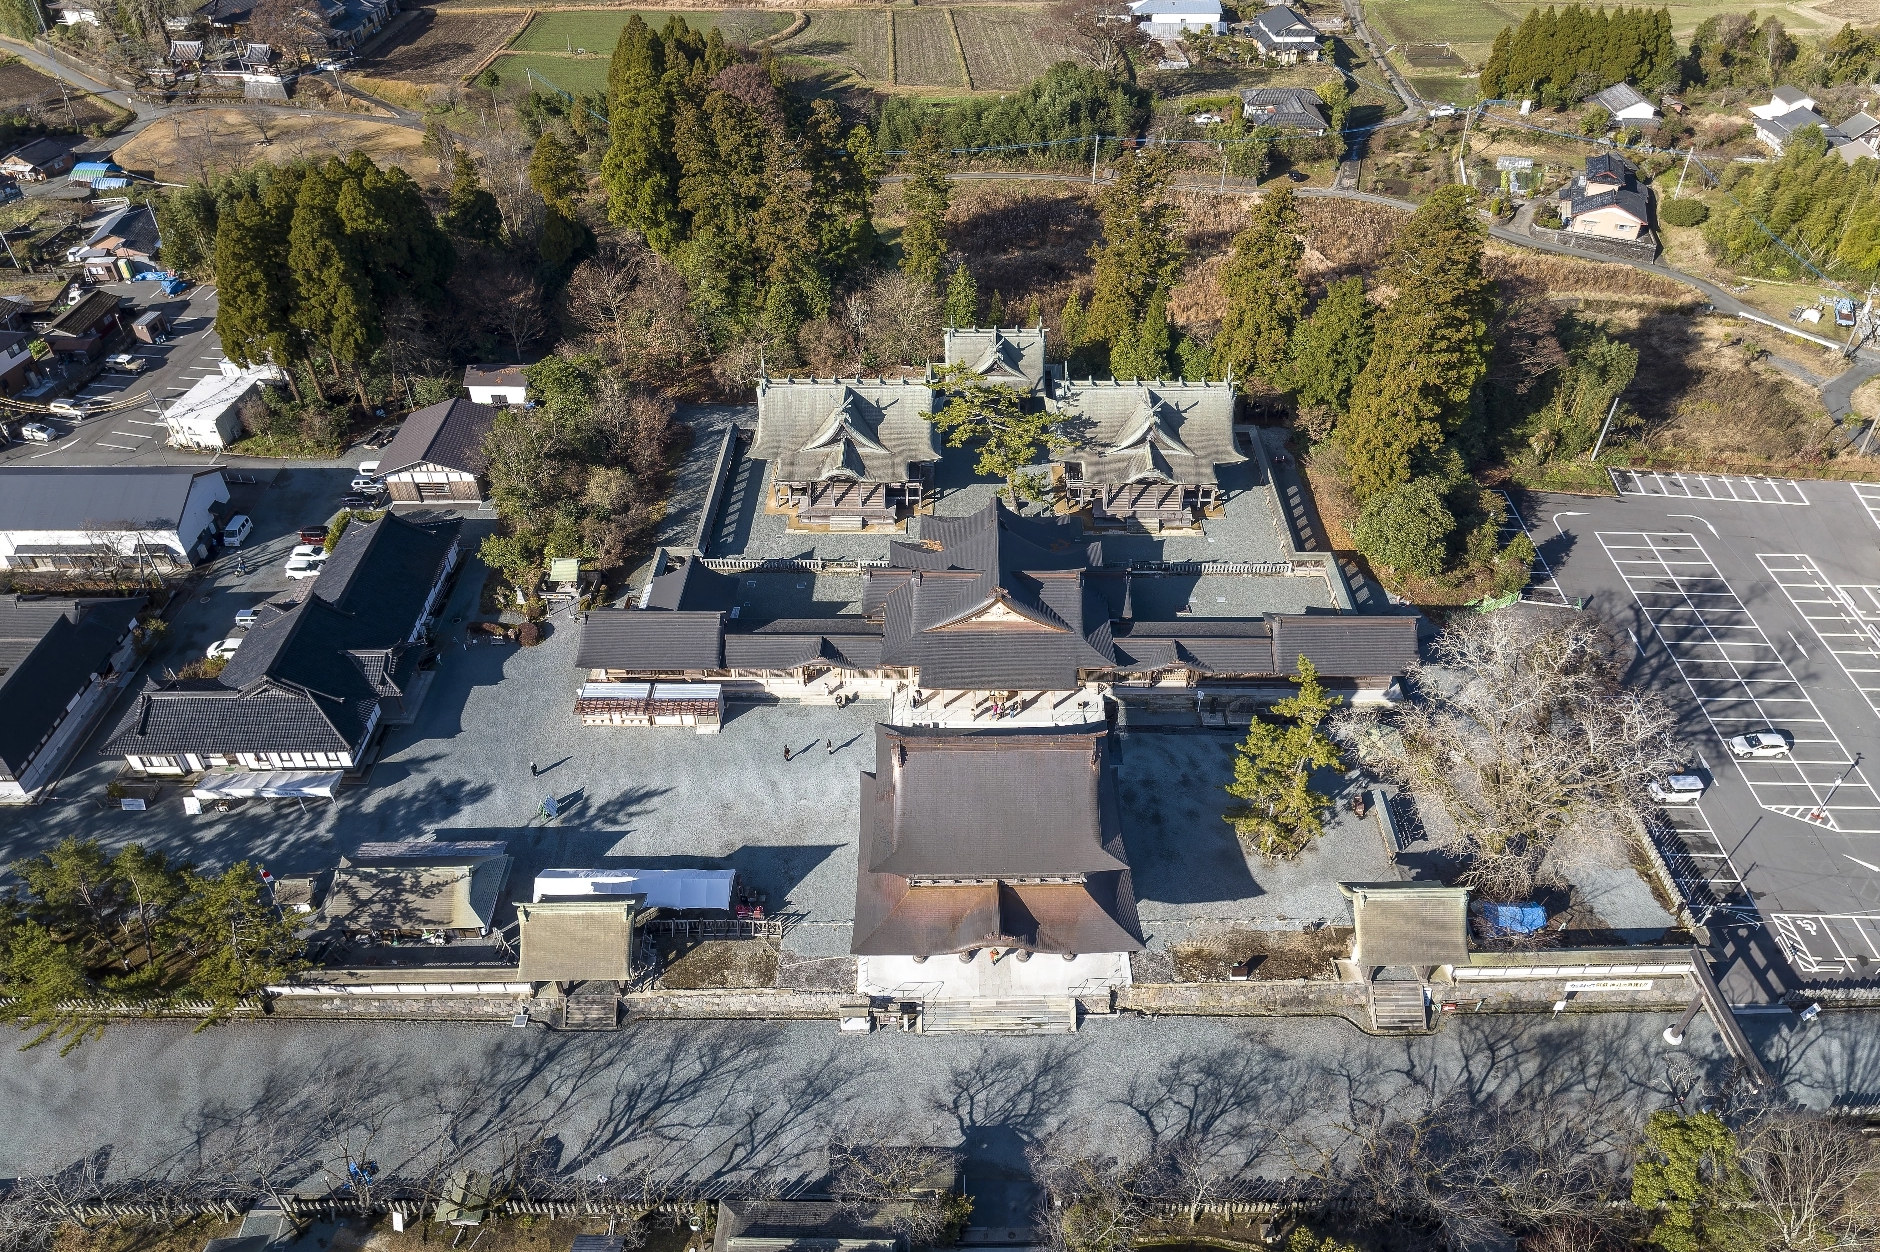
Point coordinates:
[[1752, 605]]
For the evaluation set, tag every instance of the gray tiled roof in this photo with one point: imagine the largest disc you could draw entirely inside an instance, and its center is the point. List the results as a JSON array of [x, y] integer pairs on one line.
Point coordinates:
[[82, 318], [307, 678], [636, 639], [449, 433], [1175, 432], [1288, 108], [1409, 923], [49, 649], [79, 497], [868, 430], [992, 805], [1346, 645], [1617, 97], [494, 376], [1011, 355]]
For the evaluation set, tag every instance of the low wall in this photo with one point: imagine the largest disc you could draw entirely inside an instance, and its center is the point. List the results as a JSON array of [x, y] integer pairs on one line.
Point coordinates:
[[1643, 249]]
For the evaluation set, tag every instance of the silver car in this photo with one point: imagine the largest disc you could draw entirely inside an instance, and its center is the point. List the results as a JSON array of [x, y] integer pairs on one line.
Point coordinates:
[[1762, 743], [1678, 789]]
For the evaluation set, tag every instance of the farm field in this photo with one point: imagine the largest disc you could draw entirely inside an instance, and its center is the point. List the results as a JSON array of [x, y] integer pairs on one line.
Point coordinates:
[[24, 89], [442, 46], [1002, 51], [571, 74], [852, 40], [924, 52], [598, 30]]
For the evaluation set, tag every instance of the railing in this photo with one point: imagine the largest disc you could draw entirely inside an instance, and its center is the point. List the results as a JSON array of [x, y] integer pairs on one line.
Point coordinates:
[[793, 565], [716, 928], [1213, 567]]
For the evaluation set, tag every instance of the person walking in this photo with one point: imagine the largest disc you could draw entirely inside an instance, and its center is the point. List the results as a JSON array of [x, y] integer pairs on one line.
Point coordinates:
[[786, 751], [830, 745], [534, 772]]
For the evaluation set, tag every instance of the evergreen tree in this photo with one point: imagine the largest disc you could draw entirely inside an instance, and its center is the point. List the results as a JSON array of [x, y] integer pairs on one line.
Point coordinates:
[[640, 170], [1407, 528], [1691, 1185], [1144, 352], [332, 281], [555, 173], [1265, 298], [1430, 349], [962, 300], [1280, 814], [187, 219], [1330, 349], [992, 417], [471, 212], [237, 941], [1072, 323], [254, 288], [1141, 252], [926, 191], [1034, 312], [844, 173], [995, 309]]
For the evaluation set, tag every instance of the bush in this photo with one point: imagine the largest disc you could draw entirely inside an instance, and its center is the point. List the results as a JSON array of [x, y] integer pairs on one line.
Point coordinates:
[[529, 634], [1515, 566], [1683, 213], [1407, 529]]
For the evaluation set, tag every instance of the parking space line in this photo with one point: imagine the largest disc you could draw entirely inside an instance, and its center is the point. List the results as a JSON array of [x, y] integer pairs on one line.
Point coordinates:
[[1869, 496], [1541, 587], [1750, 687], [1853, 937], [120, 447], [1724, 488], [1835, 615], [1700, 867]]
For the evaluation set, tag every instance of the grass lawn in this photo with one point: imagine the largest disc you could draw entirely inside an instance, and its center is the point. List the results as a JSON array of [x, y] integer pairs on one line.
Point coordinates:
[[571, 74]]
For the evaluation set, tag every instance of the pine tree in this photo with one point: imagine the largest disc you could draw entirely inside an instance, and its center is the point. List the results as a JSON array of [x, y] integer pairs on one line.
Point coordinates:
[[995, 309], [844, 173], [926, 191], [1072, 323], [332, 286], [1330, 349], [1430, 350], [1691, 1183], [1279, 814], [471, 212], [992, 417], [1034, 313], [1145, 351], [1141, 252], [254, 290], [1265, 298], [639, 170], [238, 943], [555, 173], [962, 301]]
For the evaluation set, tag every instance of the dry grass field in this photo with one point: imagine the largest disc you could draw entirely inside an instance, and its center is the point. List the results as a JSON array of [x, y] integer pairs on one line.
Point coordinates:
[[924, 52], [1002, 50], [24, 90], [442, 46], [194, 145], [854, 41]]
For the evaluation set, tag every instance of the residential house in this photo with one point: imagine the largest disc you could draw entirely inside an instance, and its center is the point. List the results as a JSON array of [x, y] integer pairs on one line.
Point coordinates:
[[1169, 19], [1014, 357], [17, 369], [120, 247], [1606, 200], [437, 455], [1284, 35], [845, 453], [1789, 110], [1147, 452], [108, 518], [1285, 108], [76, 14], [314, 682], [337, 25], [992, 847], [496, 384], [207, 417], [1624, 103], [60, 663], [989, 614], [82, 331], [1862, 138], [37, 161], [419, 887]]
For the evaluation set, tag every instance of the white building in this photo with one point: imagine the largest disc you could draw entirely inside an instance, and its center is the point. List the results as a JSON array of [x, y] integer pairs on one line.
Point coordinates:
[[1167, 19], [496, 384], [108, 517], [1624, 103], [207, 417]]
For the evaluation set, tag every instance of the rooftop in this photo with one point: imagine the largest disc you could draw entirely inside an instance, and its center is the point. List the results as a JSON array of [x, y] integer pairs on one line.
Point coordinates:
[[449, 433], [49, 650], [144, 497]]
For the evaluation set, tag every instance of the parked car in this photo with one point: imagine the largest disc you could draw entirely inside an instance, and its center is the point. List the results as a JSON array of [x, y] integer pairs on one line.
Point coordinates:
[[1762, 743], [312, 534], [354, 501], [128, 363], [38, 432], [1678, 789], [225, 648], [247, 618], [332, 64], [236, 533], [367, 486], [305, 567], [74, 409]]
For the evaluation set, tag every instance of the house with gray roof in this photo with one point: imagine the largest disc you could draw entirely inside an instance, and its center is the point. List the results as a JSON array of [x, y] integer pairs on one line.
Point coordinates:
[[437, 455], [108, 518], [846, 453], [415, 886], [1284, 35], [1606, 200], [1285, 108], [1146, 451], [314, 681], [60, 663], [1624, 103], [1013, 356]]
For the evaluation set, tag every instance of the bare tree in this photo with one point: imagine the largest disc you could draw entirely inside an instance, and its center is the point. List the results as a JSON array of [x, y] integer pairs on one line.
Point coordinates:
[[1093, 1202], [1520, 725], [638, 308], [1816, 1179], [1101, 34], [872, 1165]]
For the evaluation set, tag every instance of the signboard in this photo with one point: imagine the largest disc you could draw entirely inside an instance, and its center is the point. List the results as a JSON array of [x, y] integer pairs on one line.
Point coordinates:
[[130, 802], [1514, 163], [564, 569], [1610, 984]]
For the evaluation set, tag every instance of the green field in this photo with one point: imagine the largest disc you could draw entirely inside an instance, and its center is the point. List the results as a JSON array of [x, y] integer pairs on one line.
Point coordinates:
[[571, 74], [597, 31], [852, 40], [924, 55], [1470, 26]]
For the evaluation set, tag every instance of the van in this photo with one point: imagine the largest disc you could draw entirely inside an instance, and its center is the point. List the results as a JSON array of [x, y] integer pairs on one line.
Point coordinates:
[[237, 531]]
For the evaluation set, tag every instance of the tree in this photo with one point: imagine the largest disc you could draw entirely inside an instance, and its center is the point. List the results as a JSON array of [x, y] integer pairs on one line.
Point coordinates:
[[1407, 528], [962, 302], [187, 220], [1330, 349], [640, 170], [239, 943], [332, 284], [1522, 727], [1141, 252], [1279, 814], [1692, 1185], [1265, 299], [1430, 350], [872, 1164], [255, 293], [926, 191], [992, 416], [1100, 34]]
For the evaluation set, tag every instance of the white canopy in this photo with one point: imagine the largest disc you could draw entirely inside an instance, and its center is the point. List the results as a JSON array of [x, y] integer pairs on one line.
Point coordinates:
[[664, 888], [274, 784]]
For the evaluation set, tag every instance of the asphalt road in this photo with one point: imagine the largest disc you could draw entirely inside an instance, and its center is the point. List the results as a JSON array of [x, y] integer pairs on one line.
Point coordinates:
[[1752, 606], [735, 1100]]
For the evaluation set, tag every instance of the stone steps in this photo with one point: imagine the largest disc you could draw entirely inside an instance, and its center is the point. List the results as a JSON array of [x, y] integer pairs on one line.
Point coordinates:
[[1398, 1007], [591, 1012], [1017, 1015]]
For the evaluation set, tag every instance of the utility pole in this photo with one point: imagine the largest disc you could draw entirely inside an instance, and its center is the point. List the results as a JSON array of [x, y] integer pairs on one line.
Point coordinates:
[[1679, 190], [1603, 428], [1095, 140], [1223, 167]]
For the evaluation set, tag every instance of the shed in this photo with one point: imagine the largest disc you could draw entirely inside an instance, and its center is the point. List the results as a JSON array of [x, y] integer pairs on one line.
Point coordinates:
[[1408, 923], [415, 885], [151, 327], [657, 888], [578, 940], [496, 384], [1624, 102], [698, 705]]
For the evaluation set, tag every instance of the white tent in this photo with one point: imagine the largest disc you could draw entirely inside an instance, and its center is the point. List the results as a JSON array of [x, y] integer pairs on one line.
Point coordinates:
[[664, 888], [272, 785]]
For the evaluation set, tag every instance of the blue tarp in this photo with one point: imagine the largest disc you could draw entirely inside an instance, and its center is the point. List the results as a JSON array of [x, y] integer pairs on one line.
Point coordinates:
[[1510, 919]]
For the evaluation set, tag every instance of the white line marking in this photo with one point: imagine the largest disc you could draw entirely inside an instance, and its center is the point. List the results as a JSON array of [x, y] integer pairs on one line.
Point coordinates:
[[120, 447], [1695, 518], [1798, 645], [1636, 643], [1558, 516]]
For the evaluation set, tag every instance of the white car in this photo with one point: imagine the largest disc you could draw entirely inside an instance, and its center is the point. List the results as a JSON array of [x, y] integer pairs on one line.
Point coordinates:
[[126, 362], [237, 531], [75, 409], [224, 649], [370, 486], [314, 551], [38, 432], [247, 618], [1762, 743], [304, 567], [1678, 789]]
